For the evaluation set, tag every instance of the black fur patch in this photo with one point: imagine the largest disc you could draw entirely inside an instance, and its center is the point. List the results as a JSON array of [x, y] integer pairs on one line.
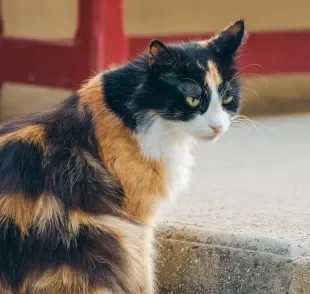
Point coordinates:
[[21, 256], [78, 184], [109, 271], [69, 176], [21, 169]]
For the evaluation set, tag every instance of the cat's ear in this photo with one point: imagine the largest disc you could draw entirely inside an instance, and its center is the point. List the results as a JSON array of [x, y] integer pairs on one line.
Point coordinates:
[[228, 41], [160, 56]]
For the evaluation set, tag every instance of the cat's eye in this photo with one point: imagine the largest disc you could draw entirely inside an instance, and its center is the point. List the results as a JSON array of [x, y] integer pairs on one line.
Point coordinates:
[[227, 100], [192, 102]]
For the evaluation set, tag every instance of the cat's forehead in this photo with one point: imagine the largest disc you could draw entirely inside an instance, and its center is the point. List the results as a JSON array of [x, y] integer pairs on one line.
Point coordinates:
[[207, 69], [212, 75], [200, 64]]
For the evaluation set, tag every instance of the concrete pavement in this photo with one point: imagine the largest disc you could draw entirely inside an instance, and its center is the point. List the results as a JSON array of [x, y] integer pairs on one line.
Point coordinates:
[[244, 224]]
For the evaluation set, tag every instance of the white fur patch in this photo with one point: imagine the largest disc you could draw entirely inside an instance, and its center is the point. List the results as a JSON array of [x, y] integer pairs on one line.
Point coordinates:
[[162, 142]]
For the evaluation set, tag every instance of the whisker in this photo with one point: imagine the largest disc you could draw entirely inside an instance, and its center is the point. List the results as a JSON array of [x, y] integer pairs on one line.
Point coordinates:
[[253, 91], [247, 128], [252, 64], [244, 118], [254, 74]]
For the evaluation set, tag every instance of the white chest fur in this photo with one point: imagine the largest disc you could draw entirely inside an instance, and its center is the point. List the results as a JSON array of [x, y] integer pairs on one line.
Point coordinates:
[[173, 147]]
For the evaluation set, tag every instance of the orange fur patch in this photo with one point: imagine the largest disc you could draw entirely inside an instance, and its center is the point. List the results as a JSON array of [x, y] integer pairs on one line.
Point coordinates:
[[48, 212], [102, 291], [77, 218], [142, 180], [63, 279], [24, 212], [4, 287], [153, 52], [213, 77], [29, 134]]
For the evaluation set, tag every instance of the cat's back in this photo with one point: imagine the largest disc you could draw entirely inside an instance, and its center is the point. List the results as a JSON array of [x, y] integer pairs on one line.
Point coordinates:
[[28, 144], [60, 222]]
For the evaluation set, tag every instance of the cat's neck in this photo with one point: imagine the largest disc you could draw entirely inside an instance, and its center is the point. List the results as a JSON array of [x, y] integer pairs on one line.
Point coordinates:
[[158, 139]]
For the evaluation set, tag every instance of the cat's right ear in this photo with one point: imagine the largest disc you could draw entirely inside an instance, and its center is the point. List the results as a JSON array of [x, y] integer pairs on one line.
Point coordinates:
[[227, 42], [159, 56]]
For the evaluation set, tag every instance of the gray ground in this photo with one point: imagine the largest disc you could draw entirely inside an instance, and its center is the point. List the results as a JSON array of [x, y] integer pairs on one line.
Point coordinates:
[[254, 182]]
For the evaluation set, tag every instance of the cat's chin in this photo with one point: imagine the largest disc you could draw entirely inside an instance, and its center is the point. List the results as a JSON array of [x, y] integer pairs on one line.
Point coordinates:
[[207, 138], [210, 139]]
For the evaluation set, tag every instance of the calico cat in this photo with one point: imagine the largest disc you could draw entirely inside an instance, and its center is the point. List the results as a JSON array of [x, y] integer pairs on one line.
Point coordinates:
[[81, 184]]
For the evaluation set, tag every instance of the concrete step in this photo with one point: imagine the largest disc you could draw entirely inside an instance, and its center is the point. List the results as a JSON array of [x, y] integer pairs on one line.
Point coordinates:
[[198, 261]]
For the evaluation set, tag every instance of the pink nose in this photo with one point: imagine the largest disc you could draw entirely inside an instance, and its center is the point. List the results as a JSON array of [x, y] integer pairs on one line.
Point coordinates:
[[216, 129]]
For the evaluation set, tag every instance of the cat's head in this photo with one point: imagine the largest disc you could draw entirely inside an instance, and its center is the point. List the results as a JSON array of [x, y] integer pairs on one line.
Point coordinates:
[[194, 85]]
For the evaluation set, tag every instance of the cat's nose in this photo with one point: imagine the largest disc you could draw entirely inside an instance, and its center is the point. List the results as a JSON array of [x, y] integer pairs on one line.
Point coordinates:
[[216, 128]]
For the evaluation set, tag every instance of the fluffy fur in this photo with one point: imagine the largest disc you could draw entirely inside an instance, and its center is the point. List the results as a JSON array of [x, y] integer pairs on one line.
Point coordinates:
[[81, 184]]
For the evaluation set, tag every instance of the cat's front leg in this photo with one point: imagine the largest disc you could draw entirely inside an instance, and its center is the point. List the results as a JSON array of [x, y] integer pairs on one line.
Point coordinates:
[[148, 261]]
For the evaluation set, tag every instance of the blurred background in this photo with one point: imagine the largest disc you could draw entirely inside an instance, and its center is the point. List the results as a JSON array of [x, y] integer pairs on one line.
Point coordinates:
[[251, 186]]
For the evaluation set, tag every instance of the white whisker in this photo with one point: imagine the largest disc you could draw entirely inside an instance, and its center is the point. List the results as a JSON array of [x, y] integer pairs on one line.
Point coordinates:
[[241, 69], [255, 124], [254, 74], [253, 91]]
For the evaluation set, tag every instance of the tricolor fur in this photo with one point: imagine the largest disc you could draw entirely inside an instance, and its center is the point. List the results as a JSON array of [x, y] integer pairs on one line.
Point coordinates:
[[81, 184]]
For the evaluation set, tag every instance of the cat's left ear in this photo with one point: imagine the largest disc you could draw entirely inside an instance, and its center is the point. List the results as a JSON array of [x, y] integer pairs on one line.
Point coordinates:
[[227, 42], [160, 56]]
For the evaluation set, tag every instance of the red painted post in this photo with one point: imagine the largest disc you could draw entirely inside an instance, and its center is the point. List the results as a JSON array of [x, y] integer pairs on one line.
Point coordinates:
[[112, 39], [100, 40]]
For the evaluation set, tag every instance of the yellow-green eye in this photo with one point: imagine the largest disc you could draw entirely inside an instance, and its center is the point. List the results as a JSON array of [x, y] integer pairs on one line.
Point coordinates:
[[192, 102], [227, 100]]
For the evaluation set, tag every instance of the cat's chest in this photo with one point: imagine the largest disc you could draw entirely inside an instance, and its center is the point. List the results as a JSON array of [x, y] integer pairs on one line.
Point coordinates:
[[177, 161]]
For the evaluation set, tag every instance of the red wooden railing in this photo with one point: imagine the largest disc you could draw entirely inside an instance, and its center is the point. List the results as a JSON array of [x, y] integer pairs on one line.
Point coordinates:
[[99, 41]]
